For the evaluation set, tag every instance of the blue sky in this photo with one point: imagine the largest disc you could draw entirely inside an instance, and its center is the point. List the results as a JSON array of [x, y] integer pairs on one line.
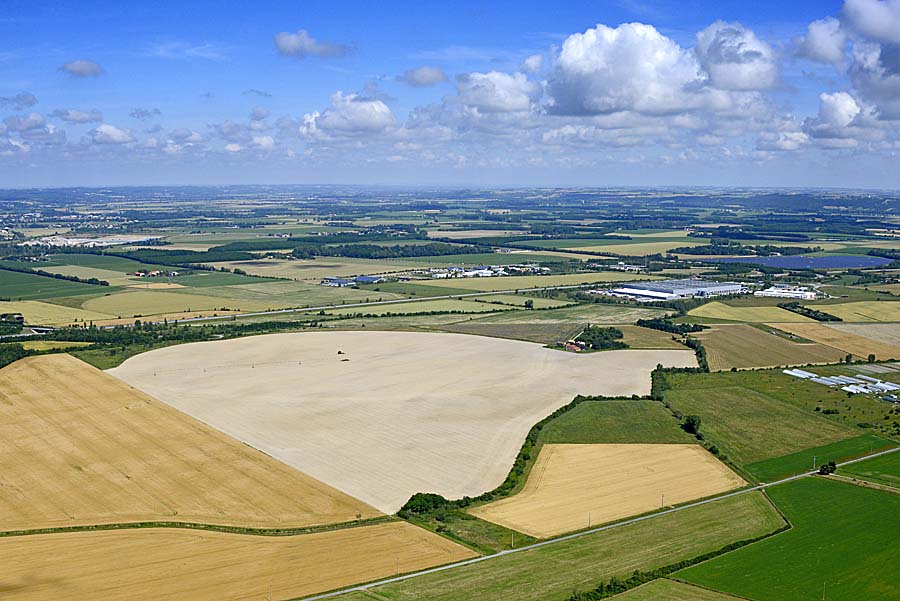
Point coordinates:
[[627, 92]]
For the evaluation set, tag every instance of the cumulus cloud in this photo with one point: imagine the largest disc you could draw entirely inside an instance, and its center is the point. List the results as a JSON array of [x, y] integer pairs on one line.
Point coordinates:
[[77, 116], [780, 141], [264, 142], [256, 92], [183, 135], [23, 123], [496, 92], [233, 147], [22, 100], [875, 73], [301, 45], [842, 122], [110, 134], [82, 68], [349, 114], [144, 114], [532, 64], [422, 77], [878, 20], [824, 41], [631, 67], [735, 58]]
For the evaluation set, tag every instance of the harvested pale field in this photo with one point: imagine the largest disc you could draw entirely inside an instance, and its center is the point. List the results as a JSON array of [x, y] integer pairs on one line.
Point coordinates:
[[888, 333], [48, 314], [717, 310], [463, 234], [167, 564], [158, 302], [397, 413], [426, 306], [81, 447], [574, 486], [845, 341], [664, 589], [745, 346], [864, 311], [637, 249]]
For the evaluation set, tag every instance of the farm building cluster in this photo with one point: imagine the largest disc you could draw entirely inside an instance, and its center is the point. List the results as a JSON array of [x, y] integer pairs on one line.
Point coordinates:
[[485, 271], [859, 384], [334, 282], [788, 291], [155, 273], [667, 290]]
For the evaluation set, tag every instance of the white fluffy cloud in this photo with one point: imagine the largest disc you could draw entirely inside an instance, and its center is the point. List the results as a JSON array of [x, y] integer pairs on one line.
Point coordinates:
[[843, 122], [532, 64], [878, 20], [20, 101], [349, 114], [735, 58], [496, 92], [110, 134], [824, 41], [82, 68], [631, 67], [76, 116], [301, 45], [780, 141], [422, 77], [22, 123]]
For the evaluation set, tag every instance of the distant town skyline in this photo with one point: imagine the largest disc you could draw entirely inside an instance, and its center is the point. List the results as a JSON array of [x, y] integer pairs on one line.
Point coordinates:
[[602, 93]]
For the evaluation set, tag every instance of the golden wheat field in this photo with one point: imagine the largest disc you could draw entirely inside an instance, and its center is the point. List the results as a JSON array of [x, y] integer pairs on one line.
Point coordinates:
[[744, 346], [847, 341], [176, 565], [574, 486], [81, 447]]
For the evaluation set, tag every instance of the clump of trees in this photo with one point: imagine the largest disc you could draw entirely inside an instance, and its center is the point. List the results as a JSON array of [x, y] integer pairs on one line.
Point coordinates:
[[664, 324], [11, 352], [795, 307], [599, 338], [828, 468]]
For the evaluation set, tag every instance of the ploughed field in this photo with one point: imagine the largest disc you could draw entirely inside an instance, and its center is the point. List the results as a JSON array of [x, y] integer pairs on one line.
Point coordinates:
[[167, 564], [383, 415], [82, 448], [574, 486]]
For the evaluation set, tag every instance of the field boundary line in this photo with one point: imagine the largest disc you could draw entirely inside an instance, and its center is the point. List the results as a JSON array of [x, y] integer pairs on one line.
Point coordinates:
[[567, 537], [246, 530]]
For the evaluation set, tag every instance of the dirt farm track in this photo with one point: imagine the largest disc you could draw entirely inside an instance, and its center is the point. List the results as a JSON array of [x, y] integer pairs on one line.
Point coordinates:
[[382, 415]]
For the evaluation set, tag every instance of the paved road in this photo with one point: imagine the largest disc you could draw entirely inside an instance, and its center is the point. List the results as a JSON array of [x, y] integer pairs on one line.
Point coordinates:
[[459, 564]]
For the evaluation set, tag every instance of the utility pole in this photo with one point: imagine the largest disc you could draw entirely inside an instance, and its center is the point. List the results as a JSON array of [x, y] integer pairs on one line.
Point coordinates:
[[814, 462]]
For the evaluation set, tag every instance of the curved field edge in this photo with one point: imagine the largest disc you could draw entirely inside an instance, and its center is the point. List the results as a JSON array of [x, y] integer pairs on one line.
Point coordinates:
[[84, 449], [843, 536]]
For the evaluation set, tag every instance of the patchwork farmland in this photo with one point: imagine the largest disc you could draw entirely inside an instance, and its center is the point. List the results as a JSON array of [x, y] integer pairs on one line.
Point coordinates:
[[394, 433]]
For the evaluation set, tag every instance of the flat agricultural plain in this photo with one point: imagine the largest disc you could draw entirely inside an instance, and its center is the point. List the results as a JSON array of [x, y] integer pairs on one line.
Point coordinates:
[[170, 564], [81, 447], [574, 486], [744, 346], [383, 415], [843, 339]]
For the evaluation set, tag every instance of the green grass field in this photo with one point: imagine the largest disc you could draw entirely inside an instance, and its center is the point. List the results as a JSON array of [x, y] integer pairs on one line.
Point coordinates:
[[615, 422], [552, 573], [595, 313], [881, 470], [771, 470], [843, 540], [747, 418], [671, 590], [26, 286], [519, 300], [638, 337]]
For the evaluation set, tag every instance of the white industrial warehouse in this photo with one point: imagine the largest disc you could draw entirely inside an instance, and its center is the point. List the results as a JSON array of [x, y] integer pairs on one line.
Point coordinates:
[[665, 290]]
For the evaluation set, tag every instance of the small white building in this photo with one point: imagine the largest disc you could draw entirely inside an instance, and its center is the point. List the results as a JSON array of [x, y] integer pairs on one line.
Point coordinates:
[[787, 291]]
